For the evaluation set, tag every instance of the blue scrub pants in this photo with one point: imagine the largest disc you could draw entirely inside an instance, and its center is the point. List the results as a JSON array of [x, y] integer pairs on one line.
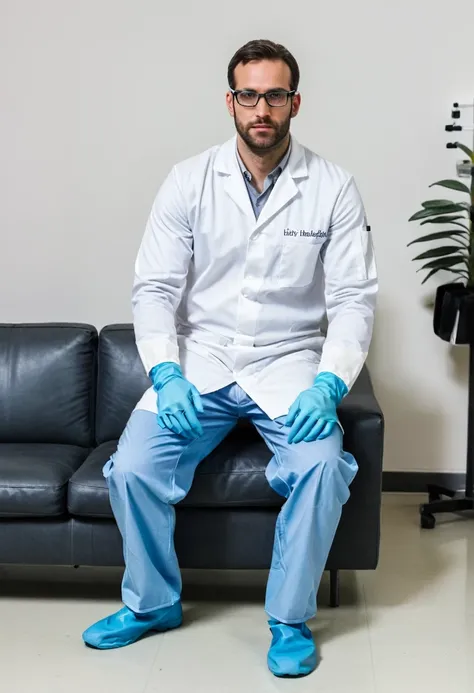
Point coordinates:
[[153, 469]]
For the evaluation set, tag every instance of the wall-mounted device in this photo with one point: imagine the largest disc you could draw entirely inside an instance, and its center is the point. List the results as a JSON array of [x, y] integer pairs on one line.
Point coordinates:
[[464, 166]]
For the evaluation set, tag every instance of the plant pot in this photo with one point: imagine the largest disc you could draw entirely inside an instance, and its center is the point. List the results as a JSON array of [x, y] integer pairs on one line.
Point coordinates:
[[453, 317]]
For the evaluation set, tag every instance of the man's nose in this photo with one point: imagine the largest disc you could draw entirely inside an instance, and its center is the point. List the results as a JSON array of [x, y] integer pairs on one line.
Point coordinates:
[[262, 108]]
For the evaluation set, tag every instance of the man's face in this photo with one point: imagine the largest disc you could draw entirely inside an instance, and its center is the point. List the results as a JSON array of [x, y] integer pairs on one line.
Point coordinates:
[[263, 127]]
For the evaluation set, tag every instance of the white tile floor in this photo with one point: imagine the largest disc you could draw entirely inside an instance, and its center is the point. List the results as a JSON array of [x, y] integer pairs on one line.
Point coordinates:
[[405, 628]]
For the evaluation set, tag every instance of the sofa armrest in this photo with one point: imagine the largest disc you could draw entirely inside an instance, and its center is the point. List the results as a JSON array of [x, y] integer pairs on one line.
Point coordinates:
[[361, 400]]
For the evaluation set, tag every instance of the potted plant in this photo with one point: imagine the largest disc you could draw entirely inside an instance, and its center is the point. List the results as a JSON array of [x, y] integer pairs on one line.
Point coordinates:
[[453, 252]]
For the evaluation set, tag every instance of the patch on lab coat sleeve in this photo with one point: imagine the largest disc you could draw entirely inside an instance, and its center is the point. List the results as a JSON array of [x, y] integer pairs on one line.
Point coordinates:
[[369, 268]]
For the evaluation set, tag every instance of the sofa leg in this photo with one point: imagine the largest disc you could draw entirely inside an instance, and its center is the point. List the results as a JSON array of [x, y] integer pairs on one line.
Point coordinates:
[[76, 566], [334, 588]]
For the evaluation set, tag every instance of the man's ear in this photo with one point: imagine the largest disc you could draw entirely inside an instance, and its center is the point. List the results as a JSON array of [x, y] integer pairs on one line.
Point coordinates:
[[295, 106], [230, 103]]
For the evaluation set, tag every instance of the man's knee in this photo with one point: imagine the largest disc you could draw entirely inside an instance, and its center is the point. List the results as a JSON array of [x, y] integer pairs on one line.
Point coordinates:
[[128, 462], [305, 464], [135, 450], [317, 455], [136, 472], [294, 467], [319, 466]]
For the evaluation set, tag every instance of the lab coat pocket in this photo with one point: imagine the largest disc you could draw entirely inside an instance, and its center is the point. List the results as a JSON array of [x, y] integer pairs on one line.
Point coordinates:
[[298, 259]]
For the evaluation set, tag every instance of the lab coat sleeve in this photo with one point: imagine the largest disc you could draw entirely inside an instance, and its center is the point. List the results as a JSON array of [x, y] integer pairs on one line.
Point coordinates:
[[161, 268], [350, 287]]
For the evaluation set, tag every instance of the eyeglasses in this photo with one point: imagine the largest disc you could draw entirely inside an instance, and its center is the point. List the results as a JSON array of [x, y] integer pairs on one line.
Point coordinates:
[[249, 99]]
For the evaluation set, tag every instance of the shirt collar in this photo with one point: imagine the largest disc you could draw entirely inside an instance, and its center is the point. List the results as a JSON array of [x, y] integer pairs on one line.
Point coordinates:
[[273, 174]]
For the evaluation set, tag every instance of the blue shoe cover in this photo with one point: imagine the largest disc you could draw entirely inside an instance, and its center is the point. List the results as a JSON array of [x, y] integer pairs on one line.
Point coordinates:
[[292, 652], [125, 626]]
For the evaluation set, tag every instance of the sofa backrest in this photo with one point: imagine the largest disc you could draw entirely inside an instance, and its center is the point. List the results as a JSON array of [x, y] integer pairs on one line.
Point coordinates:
[[47, 383], [121, 380]]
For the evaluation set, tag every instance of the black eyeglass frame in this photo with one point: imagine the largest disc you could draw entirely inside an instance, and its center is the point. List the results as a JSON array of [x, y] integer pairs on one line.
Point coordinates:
[[236, 93]]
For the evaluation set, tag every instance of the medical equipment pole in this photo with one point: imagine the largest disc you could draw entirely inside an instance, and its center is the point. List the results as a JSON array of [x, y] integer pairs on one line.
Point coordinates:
[[465, 501]]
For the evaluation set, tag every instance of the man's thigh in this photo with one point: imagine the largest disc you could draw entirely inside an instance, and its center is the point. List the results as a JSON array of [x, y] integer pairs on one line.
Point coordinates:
[[291, 460], [161, 456], [275, 434]]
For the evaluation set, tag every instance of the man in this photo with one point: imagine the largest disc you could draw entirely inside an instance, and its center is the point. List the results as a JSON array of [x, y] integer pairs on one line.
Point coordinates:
[[249, 247]]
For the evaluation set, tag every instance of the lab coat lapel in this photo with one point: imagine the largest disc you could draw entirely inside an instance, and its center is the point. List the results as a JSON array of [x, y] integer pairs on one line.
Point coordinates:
[[226, 163], [285, 190]]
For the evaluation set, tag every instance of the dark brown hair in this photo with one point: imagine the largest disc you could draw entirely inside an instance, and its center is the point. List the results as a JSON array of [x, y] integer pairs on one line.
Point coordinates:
[[263, 50]]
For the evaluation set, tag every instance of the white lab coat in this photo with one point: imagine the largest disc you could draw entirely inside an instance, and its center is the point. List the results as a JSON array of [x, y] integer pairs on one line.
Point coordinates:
[[235, 299]]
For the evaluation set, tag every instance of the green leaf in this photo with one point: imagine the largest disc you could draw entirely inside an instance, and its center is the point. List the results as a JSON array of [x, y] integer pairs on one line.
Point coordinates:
[[446, 220], [436, 203], [447, 209], [453, 185], [436, 236], [444, 262], [438, 269], [438, 252], [466, 150]]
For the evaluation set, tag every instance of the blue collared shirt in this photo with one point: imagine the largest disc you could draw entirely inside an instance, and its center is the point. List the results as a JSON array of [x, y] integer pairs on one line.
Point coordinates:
[[257, 199]]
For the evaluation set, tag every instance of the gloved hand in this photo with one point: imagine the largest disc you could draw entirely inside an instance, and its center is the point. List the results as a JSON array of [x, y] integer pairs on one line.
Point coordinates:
[[312, 416], [178, 400]]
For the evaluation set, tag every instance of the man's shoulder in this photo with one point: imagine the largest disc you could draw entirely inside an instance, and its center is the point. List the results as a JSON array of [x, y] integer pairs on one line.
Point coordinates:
[[319, 165], [200, 161]]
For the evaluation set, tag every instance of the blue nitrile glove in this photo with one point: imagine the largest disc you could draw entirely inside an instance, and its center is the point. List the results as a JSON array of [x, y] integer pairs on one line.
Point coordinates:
[[312, 416], [178, 400]]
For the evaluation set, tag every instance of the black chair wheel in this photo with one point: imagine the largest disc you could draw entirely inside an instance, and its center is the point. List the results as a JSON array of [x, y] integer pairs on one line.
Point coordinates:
[[427, 521]]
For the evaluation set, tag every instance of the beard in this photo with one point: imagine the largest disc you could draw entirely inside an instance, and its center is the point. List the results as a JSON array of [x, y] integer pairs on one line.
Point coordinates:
[[263, 141]]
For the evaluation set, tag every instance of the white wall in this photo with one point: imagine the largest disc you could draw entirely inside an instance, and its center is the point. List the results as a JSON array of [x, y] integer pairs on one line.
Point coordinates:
[[100, 98]]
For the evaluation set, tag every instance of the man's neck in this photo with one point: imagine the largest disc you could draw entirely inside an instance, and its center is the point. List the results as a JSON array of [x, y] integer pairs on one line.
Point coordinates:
[[260, 165]]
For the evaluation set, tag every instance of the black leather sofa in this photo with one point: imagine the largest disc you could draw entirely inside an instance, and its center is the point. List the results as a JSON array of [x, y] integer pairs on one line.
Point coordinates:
[[66, 393]]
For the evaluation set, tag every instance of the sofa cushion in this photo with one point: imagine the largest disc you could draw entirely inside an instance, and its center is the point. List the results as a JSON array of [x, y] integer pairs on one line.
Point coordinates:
[[34, 478], [121, 380], [47, 383], [88, 494], [232, 475]]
